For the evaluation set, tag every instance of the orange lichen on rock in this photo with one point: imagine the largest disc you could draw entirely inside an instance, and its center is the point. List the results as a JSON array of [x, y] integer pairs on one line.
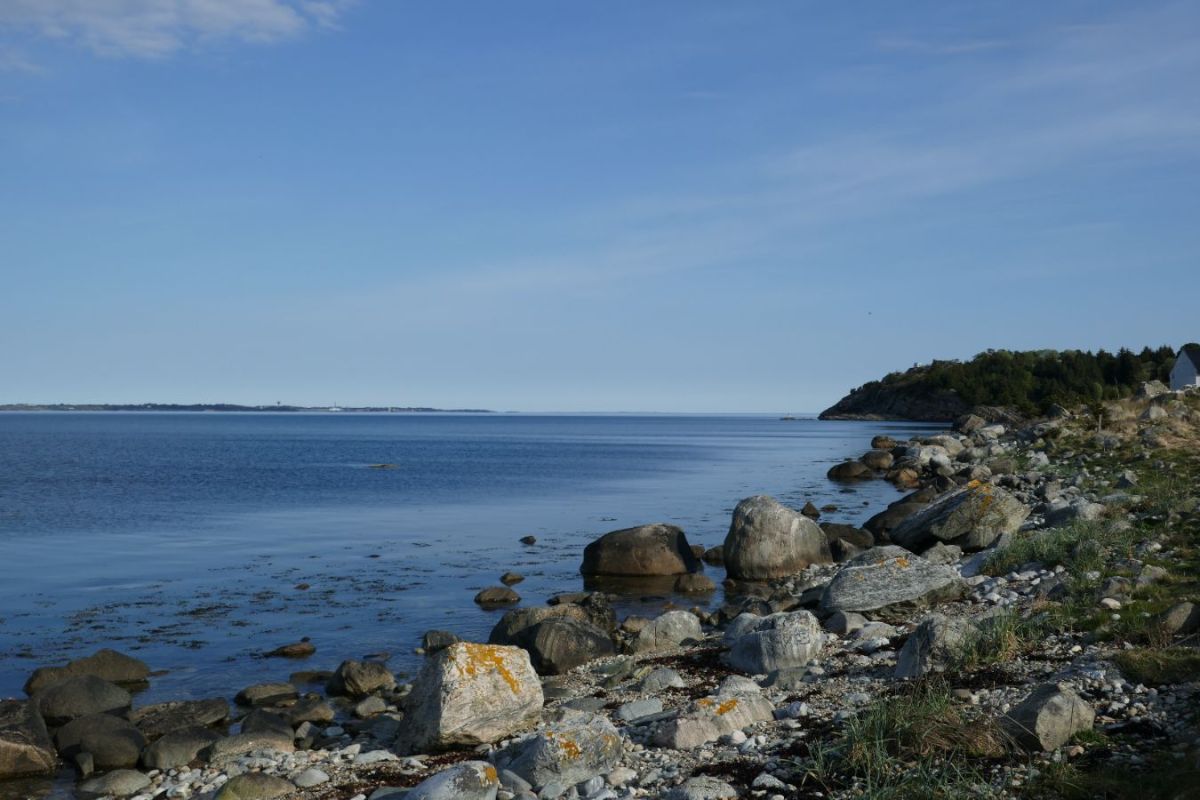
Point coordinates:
[[481, 658], [726, 707], [490, 773]]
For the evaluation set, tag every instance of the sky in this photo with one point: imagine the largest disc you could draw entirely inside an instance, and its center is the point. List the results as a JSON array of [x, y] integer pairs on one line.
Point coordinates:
[[606, 205]]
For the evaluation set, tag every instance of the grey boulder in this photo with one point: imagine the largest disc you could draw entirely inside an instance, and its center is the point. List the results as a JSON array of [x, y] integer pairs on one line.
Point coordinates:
[[178, 747], [80, 697], [769, 540], [779, 641], [972, 518], [559, 644], [163, 718], [890, 581], [25, 746], [105, 664], [255, 786], [703, 787], [668, 631], [470, 780], [360, 678], [119, 783], [566, 752], [931, 647], [112, 741], [1049, 717]]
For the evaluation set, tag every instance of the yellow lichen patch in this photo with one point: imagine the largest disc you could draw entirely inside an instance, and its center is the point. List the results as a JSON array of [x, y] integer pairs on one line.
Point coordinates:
[[726, 707], [483, 658], [902, 562], [489, 772], [570, 749], [704, 702]]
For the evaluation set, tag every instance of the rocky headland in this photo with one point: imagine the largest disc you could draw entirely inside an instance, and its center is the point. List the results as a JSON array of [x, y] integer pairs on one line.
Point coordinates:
[[1022, 623]]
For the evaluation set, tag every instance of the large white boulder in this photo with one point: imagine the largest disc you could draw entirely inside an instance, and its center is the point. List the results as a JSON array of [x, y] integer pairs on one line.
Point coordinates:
[[769, 540]]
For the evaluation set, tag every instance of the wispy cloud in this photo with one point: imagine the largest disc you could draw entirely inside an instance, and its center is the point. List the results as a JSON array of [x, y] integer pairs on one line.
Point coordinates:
[[930, 47], [158, 28], [13, 60]]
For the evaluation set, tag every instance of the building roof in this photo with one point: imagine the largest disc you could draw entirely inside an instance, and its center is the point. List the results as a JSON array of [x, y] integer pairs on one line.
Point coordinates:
[[1192, 352]]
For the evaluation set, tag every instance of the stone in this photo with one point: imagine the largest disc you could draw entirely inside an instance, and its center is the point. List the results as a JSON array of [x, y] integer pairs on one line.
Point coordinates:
[[778, 641], [511, 578], [703, 787], [844, 622], [848, 533], [369, 707], [177, 748], [513, 627], [668, 631], [528, 540], [163, 718], [644, 551], [80, 697], [307, 709], [710, 718], [469, 780], [301, 649], [715, 556], [942, 553], [932, 645], [1181, 619], [972, 518], [559, 644], [109, 665], [241, 743], [310, 777], [360, 678], [569, 751], [734, 685], [113, 742], [769, 540], [881, 524], [470, 694], [1048, 717], [25, 746], [849, 471], [260, 721], [694, 583], [890, 581], [255, 786], [118, 783], [433, 641], [637, 709], [661, 678], [878, 460], [1079, 509], [266, 694], [495, 596]]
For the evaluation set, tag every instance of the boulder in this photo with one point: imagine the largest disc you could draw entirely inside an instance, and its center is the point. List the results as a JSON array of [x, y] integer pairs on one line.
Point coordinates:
[[890, 581], [119, 783], [776, 642], [668, 631], [882, 524], [163, 718], [25, 746], [470, 694], [702, 787], [266, 694], [1048, 718], [768, 540], [878, 460], [883, 442], [565, 752], [242, 743], [105, 664], [932, 645], [301, 649], [177, 748], [694, 583], [850, 471], [494, 596], [513, 626], [80, 697], [972, 518], [715, 556], [113, 742], [661, 678], [433, 641], [1181, 619], [710, 718], [308, 709], [360, 678], [255, 786], [559, 644], [644, 551], [260, 721], [469, 780], [848, 533]]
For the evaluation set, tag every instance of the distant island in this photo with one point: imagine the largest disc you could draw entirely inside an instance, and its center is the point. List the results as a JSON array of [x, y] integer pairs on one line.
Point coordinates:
[[231, 407], [1026, 382]]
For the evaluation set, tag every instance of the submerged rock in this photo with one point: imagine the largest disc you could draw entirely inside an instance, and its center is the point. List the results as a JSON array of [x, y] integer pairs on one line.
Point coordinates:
[[109, 665], [80, 697], [644, 551]]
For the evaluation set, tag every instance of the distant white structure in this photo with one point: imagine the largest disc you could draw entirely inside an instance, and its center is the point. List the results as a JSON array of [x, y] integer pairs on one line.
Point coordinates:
[[1186, 372]]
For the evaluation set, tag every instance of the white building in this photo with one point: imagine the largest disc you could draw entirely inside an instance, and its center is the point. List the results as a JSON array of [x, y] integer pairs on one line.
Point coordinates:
[[1186, 371]]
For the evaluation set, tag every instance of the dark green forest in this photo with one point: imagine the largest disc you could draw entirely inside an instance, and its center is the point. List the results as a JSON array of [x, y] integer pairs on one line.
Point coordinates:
[[1032, 381]]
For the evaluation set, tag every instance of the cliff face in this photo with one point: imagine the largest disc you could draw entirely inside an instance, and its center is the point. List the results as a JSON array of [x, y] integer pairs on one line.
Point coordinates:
[[900, 402]]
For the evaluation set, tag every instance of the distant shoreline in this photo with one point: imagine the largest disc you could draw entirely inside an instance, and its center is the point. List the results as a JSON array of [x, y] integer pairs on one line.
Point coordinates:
[[233, 408]]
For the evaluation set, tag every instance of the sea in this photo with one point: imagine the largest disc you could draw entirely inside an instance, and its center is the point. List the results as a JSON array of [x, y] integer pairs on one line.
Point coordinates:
[[200, 541]]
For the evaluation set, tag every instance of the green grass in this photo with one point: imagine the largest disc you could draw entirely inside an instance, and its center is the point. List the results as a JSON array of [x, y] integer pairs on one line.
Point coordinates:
[[1081, 547], [914, 745], [994, 640], [1167, 779], [1157, 666]]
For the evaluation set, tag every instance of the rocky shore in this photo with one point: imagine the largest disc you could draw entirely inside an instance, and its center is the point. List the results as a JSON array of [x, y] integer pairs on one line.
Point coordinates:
[[1020, 624]]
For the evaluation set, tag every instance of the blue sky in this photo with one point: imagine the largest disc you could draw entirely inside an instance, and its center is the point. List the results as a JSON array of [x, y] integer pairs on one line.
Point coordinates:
[[691, 206]]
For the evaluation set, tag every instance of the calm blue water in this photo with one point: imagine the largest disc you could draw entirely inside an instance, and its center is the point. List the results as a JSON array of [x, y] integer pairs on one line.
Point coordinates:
[[182, 537]]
